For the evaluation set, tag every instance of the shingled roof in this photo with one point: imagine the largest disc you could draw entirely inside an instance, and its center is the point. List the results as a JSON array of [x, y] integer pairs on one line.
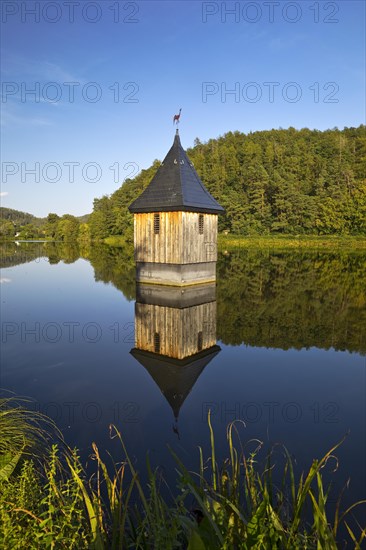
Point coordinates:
[[176, 186]]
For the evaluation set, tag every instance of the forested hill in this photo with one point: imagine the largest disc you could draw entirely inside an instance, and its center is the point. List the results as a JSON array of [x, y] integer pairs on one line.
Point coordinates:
[[14, 223], [275, 181], [18, 217]]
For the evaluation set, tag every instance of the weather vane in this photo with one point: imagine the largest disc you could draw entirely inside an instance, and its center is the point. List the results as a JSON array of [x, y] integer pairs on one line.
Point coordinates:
[[177, 117]]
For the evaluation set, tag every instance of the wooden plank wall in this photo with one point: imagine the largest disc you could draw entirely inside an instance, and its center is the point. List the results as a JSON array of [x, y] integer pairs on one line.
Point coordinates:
[[199, 248], [178, 328], [166, 247], [179, 240]]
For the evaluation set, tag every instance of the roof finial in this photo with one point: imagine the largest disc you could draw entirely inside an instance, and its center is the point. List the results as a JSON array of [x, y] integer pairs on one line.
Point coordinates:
[[177, 117]]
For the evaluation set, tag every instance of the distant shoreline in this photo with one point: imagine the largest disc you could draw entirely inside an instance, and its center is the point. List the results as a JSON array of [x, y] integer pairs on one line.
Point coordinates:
[[238, 241]]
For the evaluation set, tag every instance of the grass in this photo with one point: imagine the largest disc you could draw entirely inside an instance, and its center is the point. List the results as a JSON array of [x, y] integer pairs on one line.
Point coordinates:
[[22, 434], [227, 242], [235, 505], [234, 242]]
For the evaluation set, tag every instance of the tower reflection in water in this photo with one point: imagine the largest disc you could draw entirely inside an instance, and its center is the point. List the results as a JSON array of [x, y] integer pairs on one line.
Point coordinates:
[[175, 337]]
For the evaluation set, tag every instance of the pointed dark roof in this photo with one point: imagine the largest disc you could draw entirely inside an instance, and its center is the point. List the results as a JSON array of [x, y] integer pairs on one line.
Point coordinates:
[[176, 186], [175, 377]]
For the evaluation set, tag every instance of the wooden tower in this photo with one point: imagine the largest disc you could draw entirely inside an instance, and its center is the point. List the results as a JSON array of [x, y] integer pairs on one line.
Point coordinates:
[[175, 225]]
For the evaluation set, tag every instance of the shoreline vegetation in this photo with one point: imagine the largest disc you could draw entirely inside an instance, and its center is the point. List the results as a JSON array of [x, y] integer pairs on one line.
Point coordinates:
[[273, 241], [292, 241], [229, 242], [47, 500]]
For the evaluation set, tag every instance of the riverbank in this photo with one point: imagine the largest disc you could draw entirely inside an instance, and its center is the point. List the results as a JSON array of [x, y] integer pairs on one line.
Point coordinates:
[[227, 242], [315, 242]]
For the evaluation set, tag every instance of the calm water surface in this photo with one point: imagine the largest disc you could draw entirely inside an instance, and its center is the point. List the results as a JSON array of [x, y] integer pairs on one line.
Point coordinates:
[[292, 331]]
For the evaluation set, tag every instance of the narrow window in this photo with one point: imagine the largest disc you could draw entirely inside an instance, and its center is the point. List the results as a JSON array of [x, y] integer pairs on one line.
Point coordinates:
[[157, 342], [200, 224], [200, 341], [156, 224]]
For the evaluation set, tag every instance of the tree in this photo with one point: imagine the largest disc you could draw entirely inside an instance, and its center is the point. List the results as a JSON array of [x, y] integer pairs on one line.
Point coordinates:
[[84, 233], [51, 225], [30, 231], [67, 228], [7, 229]]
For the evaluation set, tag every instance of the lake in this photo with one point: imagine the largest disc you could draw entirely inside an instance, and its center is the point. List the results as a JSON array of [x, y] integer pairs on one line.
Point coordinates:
[[286, 333]]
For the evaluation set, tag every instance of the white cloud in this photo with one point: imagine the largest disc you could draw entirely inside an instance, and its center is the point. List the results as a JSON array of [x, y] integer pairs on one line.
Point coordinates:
[[4, 280], [4, 193]]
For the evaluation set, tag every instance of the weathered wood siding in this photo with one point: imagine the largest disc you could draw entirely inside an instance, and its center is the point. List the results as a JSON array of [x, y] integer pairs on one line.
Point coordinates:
[[179, 240], [199, 247], [166, 247], [178, 329]]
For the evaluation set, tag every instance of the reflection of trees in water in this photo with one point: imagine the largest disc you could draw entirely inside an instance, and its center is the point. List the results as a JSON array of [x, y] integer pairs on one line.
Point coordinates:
[[12, 254], [274, 299], [111, 264], [65, 252], [16, 253], [114, 265], [292, 299]]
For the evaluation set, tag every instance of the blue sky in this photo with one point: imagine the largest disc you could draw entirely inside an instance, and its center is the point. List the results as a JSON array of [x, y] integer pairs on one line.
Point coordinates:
[[108, 76]]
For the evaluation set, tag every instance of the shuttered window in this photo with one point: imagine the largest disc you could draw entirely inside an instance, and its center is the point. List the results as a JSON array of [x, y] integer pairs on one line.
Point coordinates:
[[157, 342], [200, 224], [156, 224], [200, 341]]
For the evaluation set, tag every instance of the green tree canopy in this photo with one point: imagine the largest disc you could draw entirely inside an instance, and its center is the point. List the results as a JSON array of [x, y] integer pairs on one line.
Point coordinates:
[[273, 181]]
